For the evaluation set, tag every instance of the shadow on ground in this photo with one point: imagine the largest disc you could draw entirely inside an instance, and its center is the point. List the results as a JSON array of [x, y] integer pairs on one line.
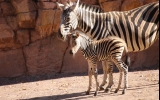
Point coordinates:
[[27, 78], [81, 95]]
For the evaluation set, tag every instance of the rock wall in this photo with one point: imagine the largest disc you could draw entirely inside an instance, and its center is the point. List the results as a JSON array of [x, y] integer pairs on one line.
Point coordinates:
[[29, 43]]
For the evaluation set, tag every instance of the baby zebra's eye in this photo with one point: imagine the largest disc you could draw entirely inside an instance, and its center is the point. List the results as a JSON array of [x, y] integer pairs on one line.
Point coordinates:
[[73, 37]]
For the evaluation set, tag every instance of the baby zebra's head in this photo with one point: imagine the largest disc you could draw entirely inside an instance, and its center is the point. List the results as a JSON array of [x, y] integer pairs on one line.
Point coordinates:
[[78, 40]]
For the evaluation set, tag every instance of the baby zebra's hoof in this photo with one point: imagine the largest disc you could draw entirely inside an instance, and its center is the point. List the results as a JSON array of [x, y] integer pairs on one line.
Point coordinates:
[[87, 93], [116, 91], [123, 92], [107, 90], [95, 94]]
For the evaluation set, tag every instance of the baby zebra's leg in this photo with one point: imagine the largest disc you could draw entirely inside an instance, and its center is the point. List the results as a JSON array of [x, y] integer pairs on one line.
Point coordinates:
[[93, 70], [120, 64], [120, 80], [105, 72], [110, 71], [90, 77]]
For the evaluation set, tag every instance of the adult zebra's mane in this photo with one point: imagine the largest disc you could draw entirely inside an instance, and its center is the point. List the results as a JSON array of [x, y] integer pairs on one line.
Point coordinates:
[[83, 6], [91, 8]]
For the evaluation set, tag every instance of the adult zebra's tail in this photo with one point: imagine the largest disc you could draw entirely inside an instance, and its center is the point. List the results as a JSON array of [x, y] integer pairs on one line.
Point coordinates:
[[127, 61]]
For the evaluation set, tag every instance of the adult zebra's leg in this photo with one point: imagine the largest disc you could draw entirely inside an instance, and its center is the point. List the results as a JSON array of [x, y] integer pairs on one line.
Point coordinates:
[[110, 71]]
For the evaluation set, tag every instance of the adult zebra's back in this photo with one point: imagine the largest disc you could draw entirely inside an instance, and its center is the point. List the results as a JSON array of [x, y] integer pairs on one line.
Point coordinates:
[[138, 27]]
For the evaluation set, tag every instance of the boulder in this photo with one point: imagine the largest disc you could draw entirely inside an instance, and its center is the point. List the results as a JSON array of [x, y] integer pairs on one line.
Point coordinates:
[[35, 35], [12, 22], [45, 55], [146, 59], [62, 1], [101, 1], [12, 63], [1, 0], [91, 2], [45, 0], [23, 6], [22, 37], [114, 5], [47, 5], [74, 64], [7, 9], [26, 13], [131, 4], [27, 20], [57, 20], [6, 35], [149, 1], [48, 22], [1, 12]]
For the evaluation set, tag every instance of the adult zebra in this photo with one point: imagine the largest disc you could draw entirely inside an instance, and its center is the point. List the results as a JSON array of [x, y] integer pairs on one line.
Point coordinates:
[[138, 27], [107, 70]]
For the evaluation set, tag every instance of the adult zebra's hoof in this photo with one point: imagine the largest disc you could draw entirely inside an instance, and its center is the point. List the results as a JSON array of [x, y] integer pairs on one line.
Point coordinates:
[[101, 88], [123, 92], [87, 93]]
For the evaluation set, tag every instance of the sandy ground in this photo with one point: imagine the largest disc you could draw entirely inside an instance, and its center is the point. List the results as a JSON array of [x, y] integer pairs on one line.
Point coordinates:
[[143, 85]]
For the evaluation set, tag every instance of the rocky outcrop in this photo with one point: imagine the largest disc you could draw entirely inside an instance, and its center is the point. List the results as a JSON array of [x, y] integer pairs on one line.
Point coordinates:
[[110, 5], [131, 4], [146, 59], [29, 45], [12, 63], [45, 56]]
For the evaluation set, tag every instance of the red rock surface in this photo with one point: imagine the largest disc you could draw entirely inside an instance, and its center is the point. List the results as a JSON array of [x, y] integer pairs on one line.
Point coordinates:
[[45, 56], [111, 5], [28, 42], [12, 63], [131, 4]]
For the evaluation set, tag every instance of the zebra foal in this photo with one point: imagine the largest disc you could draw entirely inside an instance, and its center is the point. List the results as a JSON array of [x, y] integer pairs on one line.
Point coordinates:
[[110, 48]]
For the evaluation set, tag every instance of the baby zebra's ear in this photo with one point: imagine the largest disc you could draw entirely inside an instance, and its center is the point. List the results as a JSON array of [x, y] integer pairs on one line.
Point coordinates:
[[76, 34]]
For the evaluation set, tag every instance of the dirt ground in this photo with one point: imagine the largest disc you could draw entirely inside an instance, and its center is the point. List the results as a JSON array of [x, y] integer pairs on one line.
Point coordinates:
[[143, 85]]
